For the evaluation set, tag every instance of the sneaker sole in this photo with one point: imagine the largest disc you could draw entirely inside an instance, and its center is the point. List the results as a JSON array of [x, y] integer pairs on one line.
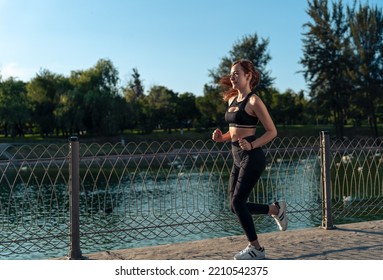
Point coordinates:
[[282, 220]]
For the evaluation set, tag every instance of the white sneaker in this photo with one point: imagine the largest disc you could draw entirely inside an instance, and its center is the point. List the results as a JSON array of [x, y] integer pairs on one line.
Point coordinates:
[[281, 218], [250, 253]]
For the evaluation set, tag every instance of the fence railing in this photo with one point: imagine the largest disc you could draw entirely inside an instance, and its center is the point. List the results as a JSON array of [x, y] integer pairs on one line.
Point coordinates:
[[75, 198]]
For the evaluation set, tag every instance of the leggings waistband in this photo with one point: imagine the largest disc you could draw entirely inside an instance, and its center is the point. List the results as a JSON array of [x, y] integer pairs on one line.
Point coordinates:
[[250, 138]]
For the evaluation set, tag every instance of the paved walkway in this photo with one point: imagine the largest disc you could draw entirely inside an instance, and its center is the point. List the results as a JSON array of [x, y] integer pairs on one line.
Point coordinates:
[[357, 241]]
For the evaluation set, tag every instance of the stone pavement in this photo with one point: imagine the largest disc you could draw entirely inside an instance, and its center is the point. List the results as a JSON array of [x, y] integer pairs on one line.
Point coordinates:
[[357, 241]]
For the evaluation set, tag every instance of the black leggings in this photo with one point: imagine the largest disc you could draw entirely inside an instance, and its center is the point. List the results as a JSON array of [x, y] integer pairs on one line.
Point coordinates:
[[245, 173]]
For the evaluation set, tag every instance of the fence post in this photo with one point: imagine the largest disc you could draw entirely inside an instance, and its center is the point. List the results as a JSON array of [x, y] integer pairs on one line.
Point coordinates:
[[74, 198], [326, 180]]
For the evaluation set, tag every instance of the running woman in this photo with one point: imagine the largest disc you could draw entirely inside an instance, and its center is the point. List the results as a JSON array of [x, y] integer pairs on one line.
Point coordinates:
[[245, 111]]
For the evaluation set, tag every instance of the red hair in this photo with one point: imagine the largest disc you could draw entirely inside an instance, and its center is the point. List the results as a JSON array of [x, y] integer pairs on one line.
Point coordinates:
[[247, 67]]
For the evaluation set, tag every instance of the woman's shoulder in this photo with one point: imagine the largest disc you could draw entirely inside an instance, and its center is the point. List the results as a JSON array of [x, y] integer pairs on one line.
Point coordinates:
[[256, 102], [253, 98]]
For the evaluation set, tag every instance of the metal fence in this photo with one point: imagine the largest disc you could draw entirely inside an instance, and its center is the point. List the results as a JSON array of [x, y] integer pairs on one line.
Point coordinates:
[[79, 198]]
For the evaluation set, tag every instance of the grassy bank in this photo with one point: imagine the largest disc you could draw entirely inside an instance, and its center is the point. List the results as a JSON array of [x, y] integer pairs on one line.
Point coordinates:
[[129, 136]]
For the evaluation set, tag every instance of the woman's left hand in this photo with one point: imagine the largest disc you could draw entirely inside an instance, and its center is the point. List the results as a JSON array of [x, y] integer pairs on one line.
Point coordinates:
[[244, 144]]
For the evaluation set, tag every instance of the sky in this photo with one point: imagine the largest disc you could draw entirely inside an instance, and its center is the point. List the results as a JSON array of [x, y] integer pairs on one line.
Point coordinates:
[[172, 43]]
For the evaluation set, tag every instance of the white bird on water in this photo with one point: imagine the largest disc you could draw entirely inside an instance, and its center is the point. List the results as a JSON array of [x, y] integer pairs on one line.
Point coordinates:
[[360, 169]]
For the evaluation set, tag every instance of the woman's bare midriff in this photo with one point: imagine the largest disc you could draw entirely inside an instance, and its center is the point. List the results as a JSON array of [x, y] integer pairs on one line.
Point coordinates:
[[240, 133]]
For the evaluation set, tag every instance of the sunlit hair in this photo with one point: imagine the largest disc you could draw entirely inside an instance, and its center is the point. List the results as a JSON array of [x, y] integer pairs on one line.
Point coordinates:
[[247, 67]]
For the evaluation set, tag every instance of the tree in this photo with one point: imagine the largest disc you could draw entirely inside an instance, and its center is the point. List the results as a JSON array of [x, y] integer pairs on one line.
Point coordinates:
[[159, 108], [249, 47], [211, 107], [187, 110], [288, 107], [366, 27], [135, 84], [43, 94], [133, 93], [98, 87], [327, 58], [14, 111], [69, 112]]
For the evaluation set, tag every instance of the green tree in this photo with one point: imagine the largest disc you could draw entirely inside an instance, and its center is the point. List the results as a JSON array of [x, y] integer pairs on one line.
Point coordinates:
[[327, 58], [43, 93], [187, 111], [250, 47], [98, 87], [14, 112], [211, 107], [159, 108], [133, 93], [366, 27], [135, 84], [288, 107], [69, 112]]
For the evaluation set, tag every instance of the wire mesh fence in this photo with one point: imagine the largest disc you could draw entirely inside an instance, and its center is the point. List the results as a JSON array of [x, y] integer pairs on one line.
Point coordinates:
[[357, 178], [141, 194]]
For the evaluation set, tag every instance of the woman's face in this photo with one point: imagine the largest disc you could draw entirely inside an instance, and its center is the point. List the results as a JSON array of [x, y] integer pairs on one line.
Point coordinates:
[[239, 80]]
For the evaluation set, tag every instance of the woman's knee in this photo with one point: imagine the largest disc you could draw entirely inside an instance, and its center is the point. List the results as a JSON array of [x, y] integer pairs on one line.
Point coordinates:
[[237, 204]]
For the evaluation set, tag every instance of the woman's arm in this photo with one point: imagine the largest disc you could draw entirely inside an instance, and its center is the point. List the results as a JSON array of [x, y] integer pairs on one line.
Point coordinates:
[[218, 136], [260, 110]]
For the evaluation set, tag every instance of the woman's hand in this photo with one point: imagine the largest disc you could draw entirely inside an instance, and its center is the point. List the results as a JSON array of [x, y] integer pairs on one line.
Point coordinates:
[[217, 135], [244, 144]]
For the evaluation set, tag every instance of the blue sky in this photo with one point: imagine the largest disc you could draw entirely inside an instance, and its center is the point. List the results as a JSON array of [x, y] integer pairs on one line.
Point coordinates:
[[173, 43]]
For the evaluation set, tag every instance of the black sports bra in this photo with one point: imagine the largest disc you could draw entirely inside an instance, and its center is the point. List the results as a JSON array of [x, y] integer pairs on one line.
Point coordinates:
[[240, 118]]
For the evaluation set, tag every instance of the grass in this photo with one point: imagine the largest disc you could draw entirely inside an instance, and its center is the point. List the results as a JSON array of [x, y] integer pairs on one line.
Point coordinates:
[[193, 135]]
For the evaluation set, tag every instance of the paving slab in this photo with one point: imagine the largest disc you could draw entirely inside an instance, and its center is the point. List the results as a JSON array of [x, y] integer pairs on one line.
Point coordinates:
[[356, 241]]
